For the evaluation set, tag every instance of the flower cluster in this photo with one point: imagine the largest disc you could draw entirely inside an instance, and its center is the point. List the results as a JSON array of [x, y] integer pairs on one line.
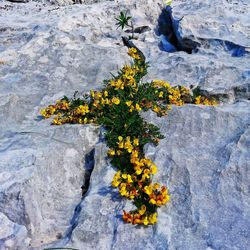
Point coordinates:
[[204, 101], [134, 54], [135, 182], [117, 108]]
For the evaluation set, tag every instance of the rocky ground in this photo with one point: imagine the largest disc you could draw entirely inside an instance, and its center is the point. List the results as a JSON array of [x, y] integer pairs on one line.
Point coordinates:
[[51, 49]]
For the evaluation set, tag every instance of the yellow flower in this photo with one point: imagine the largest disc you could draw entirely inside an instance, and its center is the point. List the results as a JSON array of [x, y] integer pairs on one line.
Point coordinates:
[[198, 100], [128, 145], [145, 221], [166, 85], [118, 84], [123, 190], [48, 112], [133, 53], [156, 109], [132, 50], [153, 218], [204, 101], [166, 199], [130, 148], [148, 190], [169, 107], [142, 210], [106, 93], [82, 109], [111, 152], [115, 183], [131, 108], [107, 101], [92, 93], [57, 121], [102, 101], [152, 201], [120, 138], [138, 171], [161, 94], [44, 113], [146, 174], [156, 186], [134, 154], [137, 107], [116, 100], [128, 103], [116, 179], [153, 169], [124, 176], [136, 142], [98, 95], [131, 196], [129, 179]]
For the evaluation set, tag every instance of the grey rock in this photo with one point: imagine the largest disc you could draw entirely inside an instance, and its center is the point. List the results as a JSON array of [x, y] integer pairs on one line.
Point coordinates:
[[225, 20], [204, 160], [48, 51], [40, 182]]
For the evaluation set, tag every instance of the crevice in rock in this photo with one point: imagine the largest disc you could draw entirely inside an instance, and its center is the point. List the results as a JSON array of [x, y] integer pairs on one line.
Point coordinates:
[[234, 49], [77, 1], [89, 166], [18, 1], [233, 95], [118, 217], [139, 30], [171, 40], [224, 158], [242, 91], [168, 31]]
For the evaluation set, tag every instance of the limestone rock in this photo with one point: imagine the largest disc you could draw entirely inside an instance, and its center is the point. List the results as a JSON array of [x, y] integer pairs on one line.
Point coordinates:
[[204, 161], [225, 20], [48, 51], [41, 174]]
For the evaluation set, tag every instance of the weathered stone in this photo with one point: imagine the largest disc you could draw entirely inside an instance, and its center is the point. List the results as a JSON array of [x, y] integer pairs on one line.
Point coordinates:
[[41, 174], [47, 51], [225, 20], [204, 161]]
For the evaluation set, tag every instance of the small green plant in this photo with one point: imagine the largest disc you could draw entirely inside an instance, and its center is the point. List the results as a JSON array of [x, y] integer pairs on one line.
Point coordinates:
[[123, 21]]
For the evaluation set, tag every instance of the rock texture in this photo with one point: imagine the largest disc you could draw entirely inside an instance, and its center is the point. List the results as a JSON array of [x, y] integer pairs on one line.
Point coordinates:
[[206, 166], [41, 177], [48, 51]]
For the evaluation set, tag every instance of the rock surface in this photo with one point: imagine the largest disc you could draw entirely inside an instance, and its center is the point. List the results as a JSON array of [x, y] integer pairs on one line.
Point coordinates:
[[40, 172], [47, 51], [204, 160]]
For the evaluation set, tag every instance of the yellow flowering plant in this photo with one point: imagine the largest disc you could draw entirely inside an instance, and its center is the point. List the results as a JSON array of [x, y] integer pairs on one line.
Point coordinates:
[[117, 107]]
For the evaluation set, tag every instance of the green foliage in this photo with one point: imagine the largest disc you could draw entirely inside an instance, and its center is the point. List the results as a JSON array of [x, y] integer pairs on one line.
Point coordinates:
[[117, 108], [123, 20]]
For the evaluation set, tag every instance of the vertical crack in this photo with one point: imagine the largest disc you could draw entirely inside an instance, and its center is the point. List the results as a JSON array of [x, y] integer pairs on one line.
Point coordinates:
[[89, 166], [170, 37], [171, 40]]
